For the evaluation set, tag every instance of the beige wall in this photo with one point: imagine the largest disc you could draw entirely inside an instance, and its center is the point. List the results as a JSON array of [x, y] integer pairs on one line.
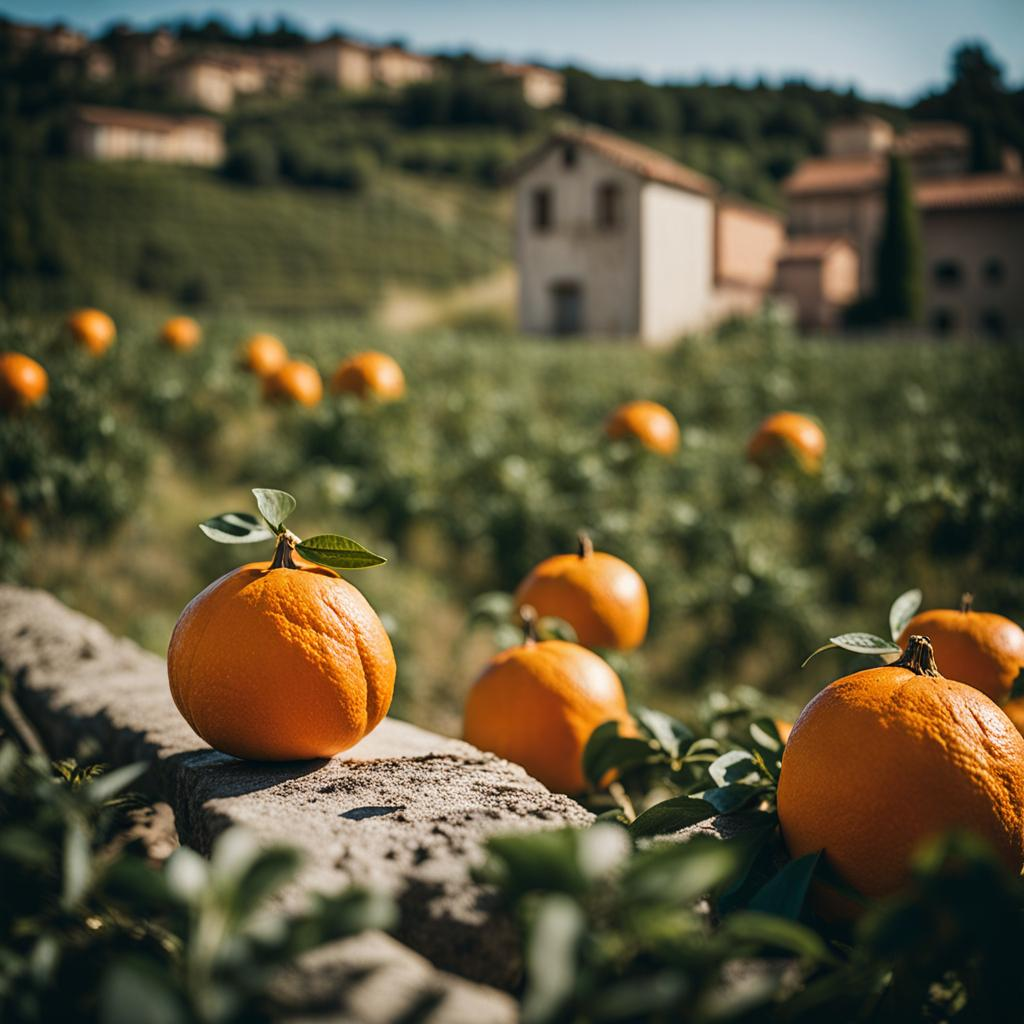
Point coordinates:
[[970, 239], [676, 262], [542, 89], [859, 217], [821, 288], [347, 67], [395, 68], [185, 144], [853, 138], [207, 85], [747, 246], [604, 262]]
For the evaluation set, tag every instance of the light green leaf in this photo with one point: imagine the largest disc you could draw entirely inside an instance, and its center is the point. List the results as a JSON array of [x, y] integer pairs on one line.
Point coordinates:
[[767, 930], [858, 643], [274, 506], [338, 552], [666, 730], [732, 767], [109, 784], [784, 894], [77, 863], [235, 528], [552, 951], [902, 611]]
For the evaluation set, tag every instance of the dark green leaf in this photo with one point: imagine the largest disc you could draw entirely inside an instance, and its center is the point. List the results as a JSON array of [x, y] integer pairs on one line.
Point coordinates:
[[679, 873], [235, 528], [274, 506], [338, 552], [607, 750], [768, 932], [902, 611], [666, 730], [545, 861], [552, 951], [727, 799], [784, 895], [670, 816], [109, 784]]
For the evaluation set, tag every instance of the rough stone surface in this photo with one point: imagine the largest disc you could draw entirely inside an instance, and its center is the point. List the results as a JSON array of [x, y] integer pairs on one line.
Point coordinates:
[[405, 810]]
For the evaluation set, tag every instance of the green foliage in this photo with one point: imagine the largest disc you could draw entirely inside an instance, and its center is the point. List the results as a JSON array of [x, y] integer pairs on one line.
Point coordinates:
[[900, 281], [90, 930]]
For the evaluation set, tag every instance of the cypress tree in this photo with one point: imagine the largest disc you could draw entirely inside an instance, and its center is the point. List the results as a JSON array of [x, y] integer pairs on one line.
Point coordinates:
[[899, 282]]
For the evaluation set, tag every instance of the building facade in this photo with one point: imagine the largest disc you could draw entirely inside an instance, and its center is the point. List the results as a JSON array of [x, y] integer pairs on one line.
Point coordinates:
[[540, 87], [109, 133]]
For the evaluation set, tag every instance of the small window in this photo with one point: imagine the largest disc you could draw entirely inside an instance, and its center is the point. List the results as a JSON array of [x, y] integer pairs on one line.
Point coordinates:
[[569, 155], [542, 209], [943, 321], [609, 206], [993, 272], [947, 274], [993, 323]]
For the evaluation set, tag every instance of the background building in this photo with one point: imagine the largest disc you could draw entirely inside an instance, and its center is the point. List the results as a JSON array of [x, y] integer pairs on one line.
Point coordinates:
[[109, 133]]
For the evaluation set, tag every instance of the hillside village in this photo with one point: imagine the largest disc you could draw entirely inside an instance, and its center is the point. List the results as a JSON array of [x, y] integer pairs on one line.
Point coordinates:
[[613, 237]]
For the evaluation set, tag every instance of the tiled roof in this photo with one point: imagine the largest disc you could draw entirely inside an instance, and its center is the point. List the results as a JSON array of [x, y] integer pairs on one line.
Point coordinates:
[[810, 248], [928, 136], [522, 70], [142, 119], [731, 202], [631, 156], [971, 192], [822, 175]]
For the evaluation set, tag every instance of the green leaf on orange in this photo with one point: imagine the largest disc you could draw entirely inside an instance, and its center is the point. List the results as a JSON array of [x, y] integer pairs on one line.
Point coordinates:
[[858, 643], [235, 528], [903, 609], [338, 552], [274, 506]]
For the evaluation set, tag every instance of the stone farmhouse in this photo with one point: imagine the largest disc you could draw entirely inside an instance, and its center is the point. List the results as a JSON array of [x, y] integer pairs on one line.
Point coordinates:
[[617, 239], [972, 226], [109, 133], [540, 87]]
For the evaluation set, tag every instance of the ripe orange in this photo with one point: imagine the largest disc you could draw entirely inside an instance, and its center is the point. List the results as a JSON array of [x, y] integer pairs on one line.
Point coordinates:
[[881, 760], [281, 663], [648, 422], [788, 433], [181, 333], [537, 704], [296, 381], [263, 354], [23, 382], [92, 329], [978, 648], [370, 375], [602, 597]]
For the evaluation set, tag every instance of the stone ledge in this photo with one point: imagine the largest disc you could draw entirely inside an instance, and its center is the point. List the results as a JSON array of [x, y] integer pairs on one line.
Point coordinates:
[[406, 811]]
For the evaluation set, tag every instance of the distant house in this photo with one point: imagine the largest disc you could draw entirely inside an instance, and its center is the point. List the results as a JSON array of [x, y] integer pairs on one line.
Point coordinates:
[[842, 196], [820, 274], [56, 40], [141, 54], [614, 238], [109, 133], [344, 63], [748, 241], [205, 82], [540, 87], [214, 79], [395, 67]]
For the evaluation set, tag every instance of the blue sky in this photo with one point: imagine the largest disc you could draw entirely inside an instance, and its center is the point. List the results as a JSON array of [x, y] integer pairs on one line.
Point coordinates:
[[888, 48]]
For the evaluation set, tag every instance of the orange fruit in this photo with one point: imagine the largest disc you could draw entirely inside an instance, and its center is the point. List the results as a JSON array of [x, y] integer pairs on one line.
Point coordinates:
[[884, 759], [296, 381], [263, 354], [92, 329], [538, 703], [1014, 711], [369, 375], [181, 333], [23, 382], [281, 663], [648, 422], [602, 597], [788, 433], [978, 648], [783, 728]]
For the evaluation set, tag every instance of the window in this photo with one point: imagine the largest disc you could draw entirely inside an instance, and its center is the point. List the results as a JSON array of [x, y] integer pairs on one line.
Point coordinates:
[[543, 213], [947, 273], [992, 323], [993, 272], [569, 155], [943, 321], [609, 205]]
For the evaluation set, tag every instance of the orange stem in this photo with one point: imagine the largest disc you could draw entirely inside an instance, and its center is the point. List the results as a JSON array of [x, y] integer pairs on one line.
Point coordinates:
[[919, 657], [283, 552]]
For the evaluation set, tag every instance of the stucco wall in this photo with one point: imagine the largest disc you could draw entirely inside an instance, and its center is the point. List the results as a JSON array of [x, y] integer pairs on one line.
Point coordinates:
[[603, 261], [859, 217], [185, 144], [747, 246], [676, 262]]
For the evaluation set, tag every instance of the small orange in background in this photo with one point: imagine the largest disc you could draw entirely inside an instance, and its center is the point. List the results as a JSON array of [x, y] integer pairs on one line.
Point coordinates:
[[882, 760], [602, 597], [23, 382], [296, 381], [181, 333], [981, 649], [648, 422], [537, 705], [264, 355], [788, 433], [92, 329], [370, 375]]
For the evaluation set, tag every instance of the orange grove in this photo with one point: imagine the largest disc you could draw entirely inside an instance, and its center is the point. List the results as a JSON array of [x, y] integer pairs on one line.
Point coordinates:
[[23, 382], [92, 329], [648, 422], [369, 375]]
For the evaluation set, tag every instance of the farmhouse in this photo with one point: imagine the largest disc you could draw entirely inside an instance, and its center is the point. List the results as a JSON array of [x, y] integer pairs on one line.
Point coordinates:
[[618, 239], [969, 222], [540, 87], [109, 133]]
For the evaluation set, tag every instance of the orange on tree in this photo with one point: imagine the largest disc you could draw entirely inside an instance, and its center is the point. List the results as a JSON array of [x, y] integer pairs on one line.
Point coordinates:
[[92, 329], [602, 597], [788, 433], [282, 660], [181, 333], [647, 422], [979, 648], [264, 355], [23, 382], [537, 704], [369, 375], [296, 381], [884, 759]]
